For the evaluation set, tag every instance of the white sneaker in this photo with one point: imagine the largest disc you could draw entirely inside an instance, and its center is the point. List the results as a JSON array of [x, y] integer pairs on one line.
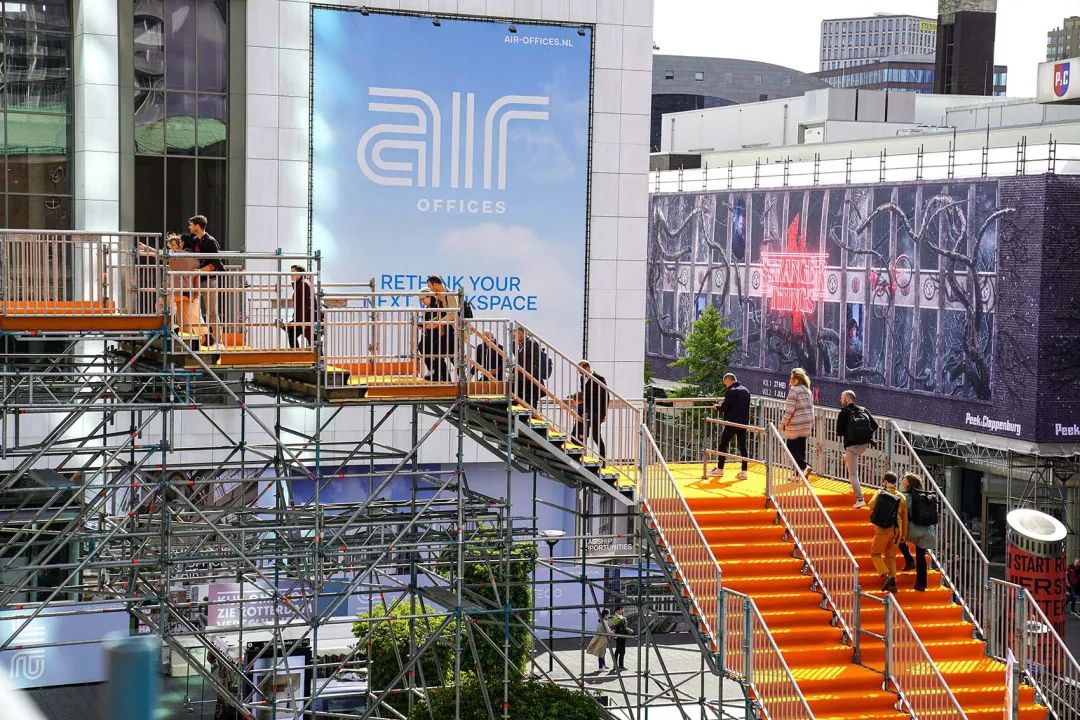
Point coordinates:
[[741, 475], [716, 472], [859, 503]]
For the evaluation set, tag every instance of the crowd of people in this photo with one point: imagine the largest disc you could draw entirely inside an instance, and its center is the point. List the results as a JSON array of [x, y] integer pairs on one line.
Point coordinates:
[[901, 512]]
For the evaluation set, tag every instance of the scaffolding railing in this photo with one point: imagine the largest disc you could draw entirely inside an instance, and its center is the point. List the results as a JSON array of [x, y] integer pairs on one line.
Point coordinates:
[[77, 274]]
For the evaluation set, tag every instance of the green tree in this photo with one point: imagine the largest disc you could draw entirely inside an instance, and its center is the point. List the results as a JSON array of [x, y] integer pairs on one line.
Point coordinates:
[[389, 649], [530, 699], [708, 350]]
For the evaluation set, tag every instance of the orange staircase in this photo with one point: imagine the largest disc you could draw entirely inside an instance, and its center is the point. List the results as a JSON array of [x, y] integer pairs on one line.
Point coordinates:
[[757, 560]]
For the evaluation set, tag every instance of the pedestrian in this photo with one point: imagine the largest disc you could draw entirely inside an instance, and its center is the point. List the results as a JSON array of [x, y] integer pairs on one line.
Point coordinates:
[[489, 358], [798, 419], [889, 516], [429, 341], [592, 407], [306, 310], [447, 319], [734, 409], [856, 427], [620, 628], [533, 368], [922, 523], [1072, 585], [599, 644], [205, 243]]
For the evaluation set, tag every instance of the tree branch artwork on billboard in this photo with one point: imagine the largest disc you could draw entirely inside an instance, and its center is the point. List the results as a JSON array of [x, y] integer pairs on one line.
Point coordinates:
[[885, 287]]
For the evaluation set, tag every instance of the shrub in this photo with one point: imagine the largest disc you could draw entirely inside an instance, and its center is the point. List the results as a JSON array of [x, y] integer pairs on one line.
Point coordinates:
[[530, 699]]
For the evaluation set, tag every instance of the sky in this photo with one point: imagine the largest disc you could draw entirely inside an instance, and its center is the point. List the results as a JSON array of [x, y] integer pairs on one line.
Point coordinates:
[[787, 32]]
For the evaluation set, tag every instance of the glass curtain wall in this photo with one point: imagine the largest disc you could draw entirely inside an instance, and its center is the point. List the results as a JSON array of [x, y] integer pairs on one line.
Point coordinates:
[[35, 98], [181, 114]]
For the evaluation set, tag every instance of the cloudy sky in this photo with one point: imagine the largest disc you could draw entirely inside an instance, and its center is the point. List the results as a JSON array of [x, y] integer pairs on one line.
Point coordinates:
[[786, 32]]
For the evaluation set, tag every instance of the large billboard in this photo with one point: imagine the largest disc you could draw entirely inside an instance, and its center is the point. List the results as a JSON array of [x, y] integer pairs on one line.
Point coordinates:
[[458, 148], [943, 303]]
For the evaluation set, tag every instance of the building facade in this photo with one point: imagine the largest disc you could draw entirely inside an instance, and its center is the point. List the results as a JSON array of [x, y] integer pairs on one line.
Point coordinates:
[[914, 73], [1064, 42], [964, 56], [681, 83], [850, 42]]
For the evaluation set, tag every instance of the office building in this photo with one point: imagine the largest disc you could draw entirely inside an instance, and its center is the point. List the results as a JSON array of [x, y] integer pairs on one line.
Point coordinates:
[[1064, 42], [682, 83], [964, 61], [913, 73], [849, 42]]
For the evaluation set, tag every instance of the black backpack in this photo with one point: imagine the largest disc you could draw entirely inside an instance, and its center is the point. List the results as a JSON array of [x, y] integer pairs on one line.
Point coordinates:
[[547, 366], [860, 428], [466, 310], [924, 508], [886, 510]]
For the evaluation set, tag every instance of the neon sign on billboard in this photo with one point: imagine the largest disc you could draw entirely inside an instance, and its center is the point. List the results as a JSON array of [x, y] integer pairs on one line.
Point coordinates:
[[793, 282]]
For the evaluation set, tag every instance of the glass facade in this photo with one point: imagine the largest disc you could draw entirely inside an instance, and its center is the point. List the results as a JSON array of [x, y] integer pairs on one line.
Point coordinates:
[[35, 102], [897, 76], [181, 113]]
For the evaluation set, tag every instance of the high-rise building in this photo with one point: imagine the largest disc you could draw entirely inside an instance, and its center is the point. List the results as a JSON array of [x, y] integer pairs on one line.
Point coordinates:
[[849, 42], [964, 62], [1064, 42]]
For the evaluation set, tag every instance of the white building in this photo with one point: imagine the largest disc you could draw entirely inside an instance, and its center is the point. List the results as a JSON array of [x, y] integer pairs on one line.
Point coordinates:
[[847, 42]]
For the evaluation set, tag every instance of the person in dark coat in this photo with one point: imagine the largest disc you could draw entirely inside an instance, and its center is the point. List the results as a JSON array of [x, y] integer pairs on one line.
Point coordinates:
[[530, 368], [734, 409], [306, 310], [489, 358], [592, 405]]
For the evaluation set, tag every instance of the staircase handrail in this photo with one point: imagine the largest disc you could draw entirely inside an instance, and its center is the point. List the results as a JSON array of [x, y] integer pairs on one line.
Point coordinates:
[[913, 673], [1053, 672], [842, 597], [774, 686], [959, 558], [678, 528]]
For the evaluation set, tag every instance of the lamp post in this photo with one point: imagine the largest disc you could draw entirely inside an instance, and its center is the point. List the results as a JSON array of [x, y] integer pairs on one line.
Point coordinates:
[[551, 537]]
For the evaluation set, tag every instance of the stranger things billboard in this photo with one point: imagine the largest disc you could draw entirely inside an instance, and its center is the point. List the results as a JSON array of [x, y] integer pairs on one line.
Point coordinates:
[[953, 303]]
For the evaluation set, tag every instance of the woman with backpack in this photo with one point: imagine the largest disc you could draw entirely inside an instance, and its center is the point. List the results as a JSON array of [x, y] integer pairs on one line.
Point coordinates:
[[798, 419], [889, 516], [922, 508]]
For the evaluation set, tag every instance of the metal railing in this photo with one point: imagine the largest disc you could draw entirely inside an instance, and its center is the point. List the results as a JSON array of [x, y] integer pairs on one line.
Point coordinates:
[[68, 273], [730, 620], [1042, 659], [750, 655], [835, 570], [914, 676]]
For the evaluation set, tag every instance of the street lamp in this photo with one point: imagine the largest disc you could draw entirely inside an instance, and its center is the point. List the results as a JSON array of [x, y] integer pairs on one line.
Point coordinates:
[[551, 537]]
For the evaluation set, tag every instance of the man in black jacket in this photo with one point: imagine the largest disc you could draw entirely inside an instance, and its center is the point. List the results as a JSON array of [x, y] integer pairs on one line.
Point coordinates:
[[530, 368], [734, 409], [489, 358], [306, 310], [856, 427], [205, 243], [592, 406]]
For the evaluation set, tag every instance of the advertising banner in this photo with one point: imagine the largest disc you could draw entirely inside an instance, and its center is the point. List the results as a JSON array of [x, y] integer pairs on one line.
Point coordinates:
[[256, 605], [939, 303], [80, 660], [456, 148]]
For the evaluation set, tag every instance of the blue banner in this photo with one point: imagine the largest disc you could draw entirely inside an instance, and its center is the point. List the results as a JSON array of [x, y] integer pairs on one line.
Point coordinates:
[[458, 149]]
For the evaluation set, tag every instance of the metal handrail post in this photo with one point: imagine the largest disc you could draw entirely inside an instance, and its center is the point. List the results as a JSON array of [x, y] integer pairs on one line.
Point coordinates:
[[856, 633], [748, 655], [721, 630], [1020, 666], [888, 639]]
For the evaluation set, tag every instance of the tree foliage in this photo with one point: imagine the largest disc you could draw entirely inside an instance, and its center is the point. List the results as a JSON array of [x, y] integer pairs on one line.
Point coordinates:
[[530, 699], [708, 350]]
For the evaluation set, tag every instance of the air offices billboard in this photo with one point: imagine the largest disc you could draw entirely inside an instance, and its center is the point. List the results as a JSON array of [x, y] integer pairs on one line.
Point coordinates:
[[458, 149], [955, 304]]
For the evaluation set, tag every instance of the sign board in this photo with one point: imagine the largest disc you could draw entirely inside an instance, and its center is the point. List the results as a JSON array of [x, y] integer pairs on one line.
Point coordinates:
[[927, 26], [80, 660], [1056, 83], [256, 605], [457, 148]]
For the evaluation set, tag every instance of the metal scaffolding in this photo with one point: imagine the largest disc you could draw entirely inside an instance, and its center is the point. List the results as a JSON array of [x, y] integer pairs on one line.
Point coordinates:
[[149, 477]]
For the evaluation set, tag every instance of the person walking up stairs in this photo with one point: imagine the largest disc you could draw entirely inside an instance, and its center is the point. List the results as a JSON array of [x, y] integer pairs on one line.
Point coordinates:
[[889, 516]]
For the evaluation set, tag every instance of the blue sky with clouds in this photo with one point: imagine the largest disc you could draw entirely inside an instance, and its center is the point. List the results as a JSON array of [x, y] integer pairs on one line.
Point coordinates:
[[367, 229]]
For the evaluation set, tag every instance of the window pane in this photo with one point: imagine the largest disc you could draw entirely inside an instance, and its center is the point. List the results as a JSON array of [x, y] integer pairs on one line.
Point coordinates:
[[29, 134], [37, 71], [149, 122], [180, 201], [39, 174], [212, 125], [149, 194], [149, 39], [36, 211], [213, 53], [212, 191], [40, 14], [180, 42], [180, 128]]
